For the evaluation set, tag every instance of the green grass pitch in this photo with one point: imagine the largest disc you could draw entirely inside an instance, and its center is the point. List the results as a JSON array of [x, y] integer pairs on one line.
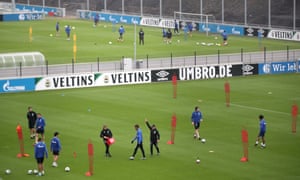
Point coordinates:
[[121, 107], [93, 43]]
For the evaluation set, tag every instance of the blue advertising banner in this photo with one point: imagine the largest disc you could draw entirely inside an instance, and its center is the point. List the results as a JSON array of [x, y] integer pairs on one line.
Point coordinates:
[[46, 10], [22, 16], [279, 67], [17, 85], [219, 28], [114, 18]]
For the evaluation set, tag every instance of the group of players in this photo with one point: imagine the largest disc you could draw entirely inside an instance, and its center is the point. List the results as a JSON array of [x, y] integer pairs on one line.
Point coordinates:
[[36, 124], [106, 134]]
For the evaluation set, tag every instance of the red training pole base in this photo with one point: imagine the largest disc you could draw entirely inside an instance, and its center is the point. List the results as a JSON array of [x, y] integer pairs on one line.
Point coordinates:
[[170, 142], [244, 159], [88, 173], [22, 155]]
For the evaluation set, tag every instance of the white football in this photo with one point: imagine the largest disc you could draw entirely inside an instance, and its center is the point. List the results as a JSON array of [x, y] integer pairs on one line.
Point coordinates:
[[198, 161], [7, 171], [109, 42], [67, 169], [203, 140], [29, 172], [73, 27], [35, 171]]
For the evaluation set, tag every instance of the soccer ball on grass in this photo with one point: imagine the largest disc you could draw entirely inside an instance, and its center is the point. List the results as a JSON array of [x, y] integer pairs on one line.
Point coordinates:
[[203, 140], [29, 172], [67, 169], [7, 171]]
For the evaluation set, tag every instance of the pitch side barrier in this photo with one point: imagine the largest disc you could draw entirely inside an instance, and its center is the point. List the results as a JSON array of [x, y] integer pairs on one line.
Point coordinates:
[[259, 32], [186, 73]]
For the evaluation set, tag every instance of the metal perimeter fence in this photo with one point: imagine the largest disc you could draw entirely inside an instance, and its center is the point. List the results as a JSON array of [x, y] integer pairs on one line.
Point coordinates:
[[157, 63]]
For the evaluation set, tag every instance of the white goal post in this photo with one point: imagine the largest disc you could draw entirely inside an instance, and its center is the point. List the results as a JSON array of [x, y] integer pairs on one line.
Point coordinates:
[[194, 17]]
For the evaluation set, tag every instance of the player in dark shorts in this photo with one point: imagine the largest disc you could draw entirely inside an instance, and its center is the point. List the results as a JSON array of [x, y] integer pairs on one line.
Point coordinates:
[[31, 117]]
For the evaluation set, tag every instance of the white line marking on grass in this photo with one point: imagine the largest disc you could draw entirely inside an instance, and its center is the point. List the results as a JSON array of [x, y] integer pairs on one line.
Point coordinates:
[[261, 109]]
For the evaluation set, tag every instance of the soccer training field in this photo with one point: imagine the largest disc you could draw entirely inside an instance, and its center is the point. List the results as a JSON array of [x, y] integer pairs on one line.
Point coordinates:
[[79, 114], [93, 43]]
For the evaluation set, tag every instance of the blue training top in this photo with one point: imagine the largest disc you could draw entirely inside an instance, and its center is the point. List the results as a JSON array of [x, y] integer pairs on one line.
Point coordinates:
[[139, 136], [55, 144], [196, 117], [263, 125], [40, 150]]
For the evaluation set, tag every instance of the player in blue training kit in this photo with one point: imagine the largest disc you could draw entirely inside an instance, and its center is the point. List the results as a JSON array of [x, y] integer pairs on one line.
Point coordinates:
[[68, 31], [121, 32], [57, 28], [225, 37], [139, 142], [262, 131], [40, 151], [55, 148], [40, 127], [196, 120]]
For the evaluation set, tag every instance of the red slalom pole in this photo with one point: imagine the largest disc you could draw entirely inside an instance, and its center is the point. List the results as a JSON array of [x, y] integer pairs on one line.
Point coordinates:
[[227, 93], [244, 133], [21, 142], [173, 126], [174, 82], [91, 159], [294, 114]]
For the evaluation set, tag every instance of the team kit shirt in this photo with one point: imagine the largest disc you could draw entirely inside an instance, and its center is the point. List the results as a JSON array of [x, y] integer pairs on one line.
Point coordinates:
[[55, 144], [40, 150], [139, 136], [196, 117], [40, 123], [263, 125]]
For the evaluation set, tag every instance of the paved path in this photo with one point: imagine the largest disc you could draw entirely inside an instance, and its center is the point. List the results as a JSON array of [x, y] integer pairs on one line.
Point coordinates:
[[158, 63]]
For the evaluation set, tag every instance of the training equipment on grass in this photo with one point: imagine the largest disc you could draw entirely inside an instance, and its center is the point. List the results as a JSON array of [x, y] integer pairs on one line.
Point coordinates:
[[91, 159], [174, 82], [198, 161], [244, 134], [173, 129], [203, 140], [67, 169], [21, 142], [7, 171], [109, 42], [294, 114], [227, 93], [110, 141], [29, 172], [35, 171]]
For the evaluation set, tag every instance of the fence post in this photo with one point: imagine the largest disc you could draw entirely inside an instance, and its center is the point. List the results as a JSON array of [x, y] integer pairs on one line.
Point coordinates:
[[219, 56], [265, 54], [98, 64], [171, 60], [47, 71], [195, 58], [147, 59], [287, 53], [72, 65], [20, 69], [242, 56]]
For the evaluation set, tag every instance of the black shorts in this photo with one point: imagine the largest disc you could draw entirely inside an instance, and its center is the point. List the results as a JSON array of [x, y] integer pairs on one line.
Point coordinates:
[[55, 153], [31, 124], [40, 131], [196, 125], [40, 160]]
